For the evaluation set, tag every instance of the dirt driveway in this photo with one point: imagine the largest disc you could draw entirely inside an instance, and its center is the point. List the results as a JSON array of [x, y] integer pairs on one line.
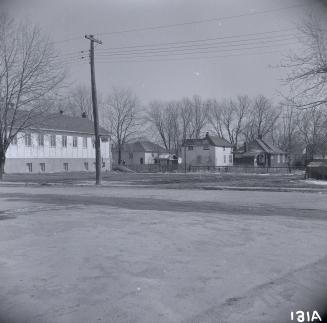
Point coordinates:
[[86, 254]]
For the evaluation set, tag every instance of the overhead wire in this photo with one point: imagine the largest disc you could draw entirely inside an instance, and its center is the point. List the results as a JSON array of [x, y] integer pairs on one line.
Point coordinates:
[[199, 21], [195, 47]]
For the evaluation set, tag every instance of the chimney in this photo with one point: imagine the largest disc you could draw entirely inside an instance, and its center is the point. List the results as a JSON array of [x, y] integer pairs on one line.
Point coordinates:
[[244, 146], [260, 137], [84, 115]]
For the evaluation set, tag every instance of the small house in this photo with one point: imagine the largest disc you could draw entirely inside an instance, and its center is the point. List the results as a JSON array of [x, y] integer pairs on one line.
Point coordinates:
[[317, 169], [141, 152], [260, 153], [210, 151]]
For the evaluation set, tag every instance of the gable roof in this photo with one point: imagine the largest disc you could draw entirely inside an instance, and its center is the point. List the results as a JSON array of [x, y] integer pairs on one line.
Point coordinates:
[[256, 146], [142, 146], [219, 142], [207, 140], [269, 147], [60, 122]]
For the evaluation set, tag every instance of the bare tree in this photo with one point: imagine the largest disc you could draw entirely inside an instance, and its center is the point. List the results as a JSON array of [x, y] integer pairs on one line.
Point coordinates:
[[80, 101], [29, 76], [199, 116], [262, 118], [312, 124], [215, 116], [233, 117], [288, 135], [185, 116], [308, 70], [122, 111], [164, 118]]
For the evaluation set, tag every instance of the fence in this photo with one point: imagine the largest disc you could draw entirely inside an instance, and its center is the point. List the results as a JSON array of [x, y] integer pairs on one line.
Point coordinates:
[[246, 169], [159, 168]]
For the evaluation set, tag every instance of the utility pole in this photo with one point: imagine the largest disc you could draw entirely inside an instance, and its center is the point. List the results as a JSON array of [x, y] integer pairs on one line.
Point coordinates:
[[95, 111]]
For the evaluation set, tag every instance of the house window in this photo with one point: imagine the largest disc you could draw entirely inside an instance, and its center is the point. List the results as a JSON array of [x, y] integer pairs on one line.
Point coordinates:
[[84, 142], [29, 167], [66, 167], [224, 148], [53, 140], [190, 148], [14, 140], [93, 142], [206, 147], [42, 167], [40, 139], [199, 159], [28, 139], [278, 159], [86, 166], [230, 159], [224, 159], [64, 141], [74, 141], [130, 155], [141, 161]]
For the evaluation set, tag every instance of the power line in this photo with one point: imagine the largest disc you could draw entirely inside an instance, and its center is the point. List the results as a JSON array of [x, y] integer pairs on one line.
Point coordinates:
[[188, 51], [200, 21], [189, 58], [196, 47], [191, 52], [265, 35], [201, 40]]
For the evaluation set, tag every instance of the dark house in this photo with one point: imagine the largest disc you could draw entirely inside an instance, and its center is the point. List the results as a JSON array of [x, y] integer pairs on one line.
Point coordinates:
[[260, 153], [317, 169], [141, 152]]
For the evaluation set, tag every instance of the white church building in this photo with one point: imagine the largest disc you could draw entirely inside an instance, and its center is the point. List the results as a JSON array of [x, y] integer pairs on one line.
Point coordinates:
[[61, 143]]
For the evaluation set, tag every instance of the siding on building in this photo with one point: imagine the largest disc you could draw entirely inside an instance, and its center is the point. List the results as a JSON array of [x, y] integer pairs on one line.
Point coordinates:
[[19, 155], [208, 151]]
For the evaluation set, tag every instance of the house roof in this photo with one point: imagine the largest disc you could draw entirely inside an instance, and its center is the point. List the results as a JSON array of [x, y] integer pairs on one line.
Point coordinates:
[[269, 147], [60, 122], [208, 140], [220, 142], [142, 146], [257, 146]]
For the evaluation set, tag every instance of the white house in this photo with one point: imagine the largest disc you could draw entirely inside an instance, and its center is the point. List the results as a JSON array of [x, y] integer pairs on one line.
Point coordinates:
[[57, 143], [208, 151]]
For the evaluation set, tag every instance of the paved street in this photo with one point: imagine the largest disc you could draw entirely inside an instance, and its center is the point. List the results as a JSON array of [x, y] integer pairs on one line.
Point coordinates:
[[131, 254]]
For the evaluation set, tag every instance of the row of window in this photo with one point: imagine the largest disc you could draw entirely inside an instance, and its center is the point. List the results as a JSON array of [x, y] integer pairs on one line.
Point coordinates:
[[205, 147], [53, 140], [42, 167]]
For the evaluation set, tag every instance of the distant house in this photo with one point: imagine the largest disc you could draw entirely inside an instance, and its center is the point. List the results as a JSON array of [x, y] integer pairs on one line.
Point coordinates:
[[207, 151], [57, 143], [317, 169], [260, 153], [141, 152]]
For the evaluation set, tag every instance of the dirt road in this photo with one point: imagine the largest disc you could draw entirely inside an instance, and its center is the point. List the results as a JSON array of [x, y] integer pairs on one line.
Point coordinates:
[[86, 254]]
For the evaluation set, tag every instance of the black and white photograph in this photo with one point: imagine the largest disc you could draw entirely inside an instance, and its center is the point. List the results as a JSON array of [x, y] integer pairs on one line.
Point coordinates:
[[163, 161]]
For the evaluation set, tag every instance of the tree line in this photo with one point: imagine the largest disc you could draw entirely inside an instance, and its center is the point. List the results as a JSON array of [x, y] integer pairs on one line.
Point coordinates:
[[31, 79], [238, 120]]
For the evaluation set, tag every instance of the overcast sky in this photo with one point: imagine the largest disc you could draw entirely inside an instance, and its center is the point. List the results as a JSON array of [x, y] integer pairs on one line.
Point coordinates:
[[166, 73]]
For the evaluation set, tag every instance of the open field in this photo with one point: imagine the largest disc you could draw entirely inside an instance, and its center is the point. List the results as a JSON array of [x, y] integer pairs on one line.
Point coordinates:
[[138, 254]]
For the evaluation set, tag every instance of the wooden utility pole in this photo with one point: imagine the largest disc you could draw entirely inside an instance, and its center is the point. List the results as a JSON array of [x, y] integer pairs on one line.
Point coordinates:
[[95, 111]]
